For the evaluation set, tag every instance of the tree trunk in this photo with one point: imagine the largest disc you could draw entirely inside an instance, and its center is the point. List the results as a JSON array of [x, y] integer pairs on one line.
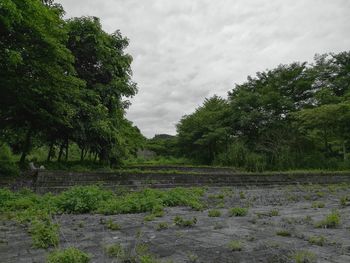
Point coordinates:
[[60, 152], [26, 146], [50, 152]]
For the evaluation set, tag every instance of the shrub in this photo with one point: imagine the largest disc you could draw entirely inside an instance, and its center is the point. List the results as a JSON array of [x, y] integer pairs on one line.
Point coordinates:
[[69, 255], [44, 234], [82, 199], [8, 166], [214, 213], [331, 221], [235, 245], [238, 211]]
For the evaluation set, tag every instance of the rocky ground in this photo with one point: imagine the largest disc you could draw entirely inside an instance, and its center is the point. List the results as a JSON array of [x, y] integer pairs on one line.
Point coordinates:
[[280, 226]]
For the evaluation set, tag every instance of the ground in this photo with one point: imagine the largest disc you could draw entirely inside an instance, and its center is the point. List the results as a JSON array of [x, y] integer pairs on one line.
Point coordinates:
[[280, 225]]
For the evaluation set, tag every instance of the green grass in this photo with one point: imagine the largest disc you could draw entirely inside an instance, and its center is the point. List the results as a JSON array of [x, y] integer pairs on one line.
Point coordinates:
[[283, 233], [112, 225], [238, 211], [115, 251], [330, 221], [69, 255], [318, 204], [304, 256], [214, 213], [179, 221], [44, 234], [162, 226], [317, 240], [235, 245]]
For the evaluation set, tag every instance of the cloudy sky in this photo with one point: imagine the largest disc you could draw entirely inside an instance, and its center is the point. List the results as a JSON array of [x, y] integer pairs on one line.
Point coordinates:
[[186, 50]]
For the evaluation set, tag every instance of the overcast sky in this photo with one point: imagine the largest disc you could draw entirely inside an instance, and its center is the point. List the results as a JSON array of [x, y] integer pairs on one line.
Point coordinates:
[[186, 50]]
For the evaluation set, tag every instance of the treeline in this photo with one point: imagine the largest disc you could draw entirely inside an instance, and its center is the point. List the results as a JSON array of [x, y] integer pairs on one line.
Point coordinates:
[[63, 82], [294, 116]]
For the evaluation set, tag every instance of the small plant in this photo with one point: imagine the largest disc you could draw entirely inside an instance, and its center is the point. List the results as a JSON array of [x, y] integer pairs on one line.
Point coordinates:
[[149, 217], [115, 251], [283, 233], [214, 213], [317, 240], [235, 245], [344, 200], [331, 221], [44, 234], [179, 221], [69, 255], [112, 225], [304, 256], [162, 225], [274, 212], [318, 204], [192, 258], [242, 195], [238, 211]]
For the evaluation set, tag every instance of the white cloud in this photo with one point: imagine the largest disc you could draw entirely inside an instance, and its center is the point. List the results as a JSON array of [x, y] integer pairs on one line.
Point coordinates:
[[187, 50]]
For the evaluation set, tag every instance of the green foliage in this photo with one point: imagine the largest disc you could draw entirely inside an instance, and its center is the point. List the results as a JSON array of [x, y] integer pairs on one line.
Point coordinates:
[[82, 199], [214, 213], [283, 233], [331, 221], [69, 255], [318, 204], [235, 245], [304, 256], [116, 251], [238, 211], [162, 225], [44, 234], [317, 240], [179, 221], [112, 225], [8, 167]]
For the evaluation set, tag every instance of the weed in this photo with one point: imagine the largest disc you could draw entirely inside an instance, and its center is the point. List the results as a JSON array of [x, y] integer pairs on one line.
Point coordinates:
[[331, 221], [112, 225], [242, 195], [238, 211], [274, 212], [162, 225], [344, 200], [283, 233], [317, 240], [192, 258], [179, 221], [235, 245], [214, 213], [115, 251], [69, 255], [318, 204], [304, 256], [44, 234]]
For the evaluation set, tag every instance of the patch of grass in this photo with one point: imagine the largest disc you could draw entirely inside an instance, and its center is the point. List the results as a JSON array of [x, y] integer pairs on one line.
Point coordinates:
[[238, 211], [304, 256], [44, 234], [317, 240], [344, 200], [192, 258], [115, 251], [69, 255], [331, 221], [242, 195], [214, 213], [162, 226], [283, 233], [318, 204], [274, 212], [235, 245], [112, 225], [179, 221]]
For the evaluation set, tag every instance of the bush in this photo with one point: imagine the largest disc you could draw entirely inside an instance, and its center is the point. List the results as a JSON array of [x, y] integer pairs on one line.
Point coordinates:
[[69, 255], [238, 211], [8, 166], [44, 234], [82, 199]]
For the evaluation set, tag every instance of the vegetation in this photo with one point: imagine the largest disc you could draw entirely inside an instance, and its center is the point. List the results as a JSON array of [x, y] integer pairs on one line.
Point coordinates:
[[304, 256], [69, 255], [331, 221], [235, 245], [283, 233], [238, 211], [317, 240], [179, 221], [214, 213]]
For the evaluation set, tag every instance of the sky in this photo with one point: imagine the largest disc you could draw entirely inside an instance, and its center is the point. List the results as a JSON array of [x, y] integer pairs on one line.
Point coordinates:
[[187, 50]]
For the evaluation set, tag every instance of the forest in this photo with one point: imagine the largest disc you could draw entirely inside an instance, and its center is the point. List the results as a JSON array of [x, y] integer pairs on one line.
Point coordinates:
[[66, 83]]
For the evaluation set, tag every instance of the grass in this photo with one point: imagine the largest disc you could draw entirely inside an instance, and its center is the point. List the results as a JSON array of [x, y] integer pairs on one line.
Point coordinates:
[[44, 234], [318, 204], [317, 240], [69, 255], [214, 213], [330, 221], [115, 251], [162, 226], [112, 225], [304, 256], [235, 245], [283, 233], [179, 221], [238, 211]]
